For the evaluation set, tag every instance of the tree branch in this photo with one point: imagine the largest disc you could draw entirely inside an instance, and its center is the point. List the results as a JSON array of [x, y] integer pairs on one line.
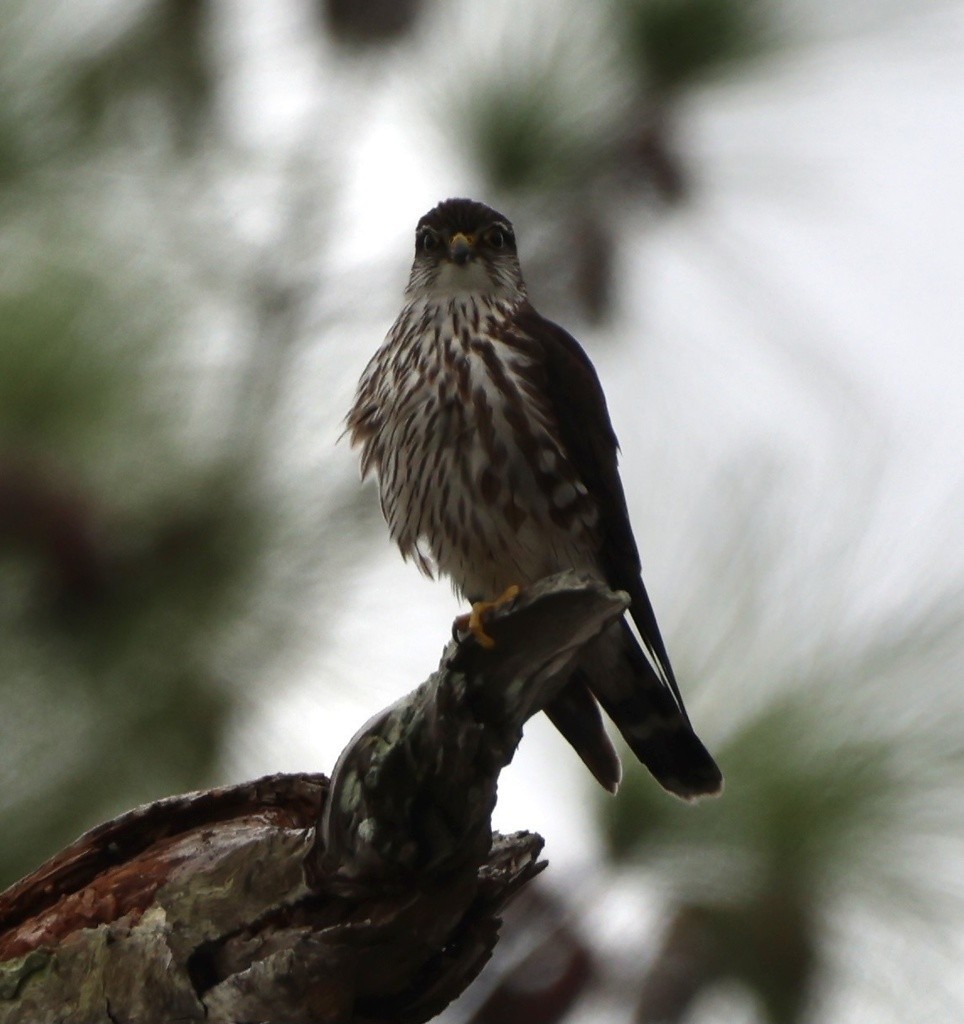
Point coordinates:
[[374, 898]]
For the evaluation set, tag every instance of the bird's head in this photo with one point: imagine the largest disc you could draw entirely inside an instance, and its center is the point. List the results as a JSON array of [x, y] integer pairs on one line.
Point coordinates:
[[465, 248]]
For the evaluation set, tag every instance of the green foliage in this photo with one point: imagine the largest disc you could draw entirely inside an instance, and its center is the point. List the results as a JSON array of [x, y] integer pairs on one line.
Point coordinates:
[[673, 44], [583, 122], [67, 360], [122, 551], [160, 59], [830, 787], [798, 803], [152, 559], [521, 135], [13, 159]]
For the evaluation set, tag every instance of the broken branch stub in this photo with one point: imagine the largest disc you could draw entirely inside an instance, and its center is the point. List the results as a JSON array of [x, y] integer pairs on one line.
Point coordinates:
[[414, 790]]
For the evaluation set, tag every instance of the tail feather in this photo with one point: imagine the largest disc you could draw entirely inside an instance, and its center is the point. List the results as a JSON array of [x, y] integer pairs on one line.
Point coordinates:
[[652, 719], [641, 610], [576, 715], [644, 707]]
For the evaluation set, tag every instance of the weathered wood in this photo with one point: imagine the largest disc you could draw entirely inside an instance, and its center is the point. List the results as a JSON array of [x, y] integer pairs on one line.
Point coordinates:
[[374, 898]]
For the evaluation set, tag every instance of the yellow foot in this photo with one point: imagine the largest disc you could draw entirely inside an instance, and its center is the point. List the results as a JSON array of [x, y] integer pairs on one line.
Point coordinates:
[[474, 622]]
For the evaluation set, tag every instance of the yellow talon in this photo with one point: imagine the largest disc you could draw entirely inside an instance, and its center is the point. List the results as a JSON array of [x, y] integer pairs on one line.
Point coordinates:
[[474, 622]]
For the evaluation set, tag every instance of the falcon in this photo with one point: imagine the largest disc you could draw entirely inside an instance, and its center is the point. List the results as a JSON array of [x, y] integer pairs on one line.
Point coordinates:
[[488, 431]]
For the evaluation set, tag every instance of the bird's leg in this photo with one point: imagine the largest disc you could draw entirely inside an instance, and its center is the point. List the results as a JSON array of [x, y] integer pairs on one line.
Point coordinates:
[[474, 621]]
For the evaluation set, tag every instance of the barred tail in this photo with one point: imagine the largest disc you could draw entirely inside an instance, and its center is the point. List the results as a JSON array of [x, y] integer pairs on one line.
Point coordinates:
[[643, 708]]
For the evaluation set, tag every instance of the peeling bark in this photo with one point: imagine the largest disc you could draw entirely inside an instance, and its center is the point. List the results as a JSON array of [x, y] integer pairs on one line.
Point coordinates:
[[374, 898]]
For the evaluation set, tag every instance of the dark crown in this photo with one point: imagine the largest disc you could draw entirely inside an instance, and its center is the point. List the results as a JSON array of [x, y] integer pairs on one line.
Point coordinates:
[[465, 215]]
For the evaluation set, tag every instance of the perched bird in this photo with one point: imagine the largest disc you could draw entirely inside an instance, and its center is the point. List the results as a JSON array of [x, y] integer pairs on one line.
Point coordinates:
[[488, 431]]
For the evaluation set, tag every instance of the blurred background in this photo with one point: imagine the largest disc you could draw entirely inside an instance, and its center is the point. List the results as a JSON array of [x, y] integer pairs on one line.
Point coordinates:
[[751, 214]]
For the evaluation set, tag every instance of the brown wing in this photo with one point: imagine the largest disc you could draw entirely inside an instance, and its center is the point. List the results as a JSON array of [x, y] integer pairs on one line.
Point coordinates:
[[637, 689], [582, 417]]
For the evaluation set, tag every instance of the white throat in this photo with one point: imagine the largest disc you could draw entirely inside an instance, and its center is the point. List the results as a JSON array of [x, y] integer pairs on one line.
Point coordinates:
[[454, 281], [449, 281]]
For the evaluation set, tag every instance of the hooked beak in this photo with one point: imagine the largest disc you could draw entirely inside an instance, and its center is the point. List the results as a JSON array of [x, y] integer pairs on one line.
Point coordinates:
[[461, 248]]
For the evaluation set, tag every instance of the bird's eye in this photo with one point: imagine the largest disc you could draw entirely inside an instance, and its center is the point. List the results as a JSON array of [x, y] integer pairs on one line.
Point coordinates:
[[496, 238], [429, 241]]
